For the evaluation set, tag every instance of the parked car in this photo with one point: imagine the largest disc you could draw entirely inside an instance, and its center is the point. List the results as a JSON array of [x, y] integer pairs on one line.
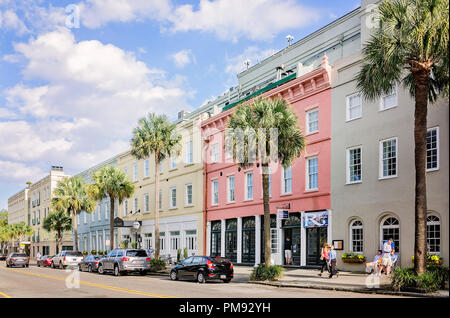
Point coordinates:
[[66, 258], [203, 268], [3, 257], [89, 263], [17, 259], [124, 260], [44, 261]]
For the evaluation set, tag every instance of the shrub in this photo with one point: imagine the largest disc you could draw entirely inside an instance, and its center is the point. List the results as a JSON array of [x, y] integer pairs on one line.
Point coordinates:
[[124, 244], [262, 272], [94, 252], [434, 278], [157, 264], [186, 253], [100, 252], [84, 253], [133, 244]]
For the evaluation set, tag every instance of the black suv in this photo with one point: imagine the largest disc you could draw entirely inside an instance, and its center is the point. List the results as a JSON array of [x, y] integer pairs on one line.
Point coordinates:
[[203, 268]]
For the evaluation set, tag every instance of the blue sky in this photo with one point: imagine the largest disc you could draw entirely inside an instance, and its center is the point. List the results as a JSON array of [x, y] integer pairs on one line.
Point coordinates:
[[71, 96]]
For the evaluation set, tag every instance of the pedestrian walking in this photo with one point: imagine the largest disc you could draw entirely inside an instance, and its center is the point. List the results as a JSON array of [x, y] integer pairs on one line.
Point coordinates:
[[333, 262], [150, 251], [324, 259], [288, 251], [38, 255]]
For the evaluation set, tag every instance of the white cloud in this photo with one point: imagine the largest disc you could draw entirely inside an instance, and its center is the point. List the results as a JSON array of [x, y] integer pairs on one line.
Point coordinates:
[[10, 21], [19, 172], [233, 19], [182, 58], [92, 95], [96, 13], [236, 64]]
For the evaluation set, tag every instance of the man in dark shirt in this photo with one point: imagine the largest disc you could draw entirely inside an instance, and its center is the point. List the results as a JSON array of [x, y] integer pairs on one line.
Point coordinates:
[[288, 251]]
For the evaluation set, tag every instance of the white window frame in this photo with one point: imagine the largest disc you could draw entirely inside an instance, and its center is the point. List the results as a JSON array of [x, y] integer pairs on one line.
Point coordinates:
[[351, 235], [308, 113], [348, 112], [171, 198], [215, 153], [382, 108], [125, 207], [146, 203], [247, 197], [228, 189], [283, 181], [380, 162], [106, 210], [173, 162], [160, 199], [437, 149], [135, 172], [189, 153], [382, 227], [348, 181], [213, 192], [440, 232], [308, 185], [84, 217], [146, 168], [135, 204], [191, 241], [186, 203], [175, 240]]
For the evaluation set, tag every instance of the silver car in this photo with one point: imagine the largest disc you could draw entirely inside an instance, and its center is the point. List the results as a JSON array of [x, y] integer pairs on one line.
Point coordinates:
[[123, 260], [17, 259], [67, 258]]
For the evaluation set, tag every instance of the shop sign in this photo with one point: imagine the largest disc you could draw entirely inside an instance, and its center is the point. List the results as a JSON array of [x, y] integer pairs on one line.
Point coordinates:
[[282, 214], [315, 219]]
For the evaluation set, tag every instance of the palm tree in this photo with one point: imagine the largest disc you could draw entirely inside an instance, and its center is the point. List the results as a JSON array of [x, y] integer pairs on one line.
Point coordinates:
[[110, 181], [5, 236], [155, 135], [59, 222], [260, 118], [21, 229], [70, 195], [410, 46]]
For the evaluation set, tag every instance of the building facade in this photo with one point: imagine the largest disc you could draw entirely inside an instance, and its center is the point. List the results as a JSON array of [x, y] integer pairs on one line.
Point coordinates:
[[18, 211], [40, 195], [372, 166]]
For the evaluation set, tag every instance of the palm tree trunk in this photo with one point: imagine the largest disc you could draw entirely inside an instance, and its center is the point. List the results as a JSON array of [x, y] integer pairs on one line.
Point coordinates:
[[58, 242], [421, 79], [111, 222], [157, 251], [75, 229], [267, 243]]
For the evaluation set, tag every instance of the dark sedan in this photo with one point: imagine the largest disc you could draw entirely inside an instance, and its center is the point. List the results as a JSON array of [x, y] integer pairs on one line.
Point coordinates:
[[17, 259], [203, 268], [89, 263], [45, 261], [2, 257]]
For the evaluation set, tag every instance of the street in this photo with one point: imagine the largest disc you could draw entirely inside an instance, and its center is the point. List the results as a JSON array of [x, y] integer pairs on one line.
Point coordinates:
[[38, 282]]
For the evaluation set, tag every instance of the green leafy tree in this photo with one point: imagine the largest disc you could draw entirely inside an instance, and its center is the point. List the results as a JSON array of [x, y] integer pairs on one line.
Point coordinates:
[[155, 135], [21, 229], [58, 221], [5, 236], [258, 121], [71, 195], [111, 182], [410, 47]]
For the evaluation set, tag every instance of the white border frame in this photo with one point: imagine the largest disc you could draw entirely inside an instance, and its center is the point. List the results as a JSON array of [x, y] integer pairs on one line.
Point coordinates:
[[380, 159], [347, 107], [438, 149], [347, 165]]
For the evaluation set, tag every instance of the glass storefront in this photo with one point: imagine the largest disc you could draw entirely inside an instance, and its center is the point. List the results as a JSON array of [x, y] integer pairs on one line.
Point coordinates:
[[231, 240], [216, 232], [292, 229], [316, 226], [248, 240]]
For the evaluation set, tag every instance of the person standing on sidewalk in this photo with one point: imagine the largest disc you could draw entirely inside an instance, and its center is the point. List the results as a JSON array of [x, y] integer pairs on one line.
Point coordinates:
[[324, 258], [288, 250], [386, 261], [333, 262]]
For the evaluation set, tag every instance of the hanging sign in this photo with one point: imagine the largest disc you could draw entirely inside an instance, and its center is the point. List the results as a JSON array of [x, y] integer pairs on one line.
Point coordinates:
[[282, 214], [315, 219]]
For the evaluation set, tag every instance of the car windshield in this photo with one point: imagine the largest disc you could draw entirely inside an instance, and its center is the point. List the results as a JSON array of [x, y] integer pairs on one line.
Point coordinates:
[[137, 253], [78, 254], [19, 255]]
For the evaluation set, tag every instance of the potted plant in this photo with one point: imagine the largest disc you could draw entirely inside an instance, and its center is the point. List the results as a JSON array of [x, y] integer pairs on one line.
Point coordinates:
[[84, 253], [432, 259], [94, 252], [353, 258], [100, 253], [186, 253]]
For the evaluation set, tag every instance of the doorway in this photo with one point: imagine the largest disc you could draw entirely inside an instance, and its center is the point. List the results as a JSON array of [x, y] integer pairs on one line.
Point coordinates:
[[294, 234], [248, 240], [315, 237], [231, 240]]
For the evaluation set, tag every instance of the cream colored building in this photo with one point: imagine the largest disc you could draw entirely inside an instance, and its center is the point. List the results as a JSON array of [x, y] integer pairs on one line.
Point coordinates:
[[181, 193], [18, 207], [40, 194]]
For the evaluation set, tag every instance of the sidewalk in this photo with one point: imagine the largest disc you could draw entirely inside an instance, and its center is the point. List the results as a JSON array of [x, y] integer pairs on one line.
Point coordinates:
[[347, 281]]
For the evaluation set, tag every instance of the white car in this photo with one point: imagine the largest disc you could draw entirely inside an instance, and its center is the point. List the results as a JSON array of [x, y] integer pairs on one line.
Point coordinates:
[[67, 258]]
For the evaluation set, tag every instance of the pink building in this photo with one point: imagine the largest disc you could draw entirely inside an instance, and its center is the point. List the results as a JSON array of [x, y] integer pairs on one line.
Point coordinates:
[[234, 206]]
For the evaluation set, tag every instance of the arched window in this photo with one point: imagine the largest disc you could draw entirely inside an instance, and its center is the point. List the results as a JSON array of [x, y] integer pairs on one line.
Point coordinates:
[[356, 236], [390, 227], [433, 234]]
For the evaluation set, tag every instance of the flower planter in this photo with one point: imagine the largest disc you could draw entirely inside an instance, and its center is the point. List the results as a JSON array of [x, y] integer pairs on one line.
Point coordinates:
[[354, 260], [437, 262]]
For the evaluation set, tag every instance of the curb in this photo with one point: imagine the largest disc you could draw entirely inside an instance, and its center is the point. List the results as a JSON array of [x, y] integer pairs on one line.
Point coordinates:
[[352, 290]]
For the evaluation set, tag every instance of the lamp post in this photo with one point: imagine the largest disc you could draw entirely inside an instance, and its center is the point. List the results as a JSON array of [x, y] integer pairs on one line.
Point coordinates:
[[136, 226]]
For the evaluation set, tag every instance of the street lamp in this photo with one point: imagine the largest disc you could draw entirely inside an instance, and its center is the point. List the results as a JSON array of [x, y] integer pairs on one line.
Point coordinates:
[[136, 226]]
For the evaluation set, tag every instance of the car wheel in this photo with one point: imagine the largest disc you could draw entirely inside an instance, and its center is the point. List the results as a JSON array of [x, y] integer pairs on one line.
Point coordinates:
[[38, 265], [116, 270], [173, 275], [201, 278], [79, 268], [52, 265], [60, 265], [90, 269], [100, 269], [143, 273], [28, 265]]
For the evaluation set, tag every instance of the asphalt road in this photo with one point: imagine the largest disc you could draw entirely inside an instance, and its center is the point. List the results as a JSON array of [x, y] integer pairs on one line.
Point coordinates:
[[38, 282]]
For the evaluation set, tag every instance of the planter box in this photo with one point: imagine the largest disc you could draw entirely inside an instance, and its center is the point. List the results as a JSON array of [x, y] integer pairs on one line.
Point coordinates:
[[354, 260], [439, 262]]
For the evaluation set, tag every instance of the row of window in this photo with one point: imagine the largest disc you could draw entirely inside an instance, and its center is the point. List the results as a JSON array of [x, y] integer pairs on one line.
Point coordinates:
[[189, 200], [188, 159], [390, 227], [388, 154], [171, 241], [312, 182]]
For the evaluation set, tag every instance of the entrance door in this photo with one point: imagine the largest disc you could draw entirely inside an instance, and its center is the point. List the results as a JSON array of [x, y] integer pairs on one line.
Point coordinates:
[[248, 240], [294, 234], [231, 240], [315, 237]]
